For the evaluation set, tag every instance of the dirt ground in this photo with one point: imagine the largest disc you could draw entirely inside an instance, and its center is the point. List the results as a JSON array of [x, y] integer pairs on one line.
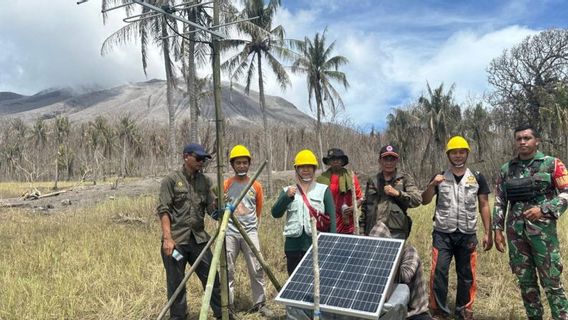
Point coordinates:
[[88, 194]]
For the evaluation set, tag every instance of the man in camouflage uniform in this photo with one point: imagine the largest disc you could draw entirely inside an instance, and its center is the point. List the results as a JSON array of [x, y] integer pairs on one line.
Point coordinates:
[[185, 196], [535, 187], [388, 195]]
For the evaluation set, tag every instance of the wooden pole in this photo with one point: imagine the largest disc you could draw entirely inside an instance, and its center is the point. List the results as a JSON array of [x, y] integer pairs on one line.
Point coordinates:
[[187, 275], [215, 48], [355, 207], [219, 244], [256, 253], [316, 269]]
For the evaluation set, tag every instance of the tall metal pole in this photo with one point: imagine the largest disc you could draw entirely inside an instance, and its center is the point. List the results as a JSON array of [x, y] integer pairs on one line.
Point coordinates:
[[219, 136]]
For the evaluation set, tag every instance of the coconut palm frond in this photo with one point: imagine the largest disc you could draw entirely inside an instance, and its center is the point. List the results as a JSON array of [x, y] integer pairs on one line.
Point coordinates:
[[281, 75], [121, 36]]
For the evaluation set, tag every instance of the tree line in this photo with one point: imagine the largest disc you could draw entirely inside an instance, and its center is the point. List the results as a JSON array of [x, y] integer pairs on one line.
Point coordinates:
[[107, 148], [260, 45], [529, 85]]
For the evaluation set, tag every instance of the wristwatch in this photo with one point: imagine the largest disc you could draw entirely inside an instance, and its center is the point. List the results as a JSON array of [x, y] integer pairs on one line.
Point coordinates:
[[545, 210]]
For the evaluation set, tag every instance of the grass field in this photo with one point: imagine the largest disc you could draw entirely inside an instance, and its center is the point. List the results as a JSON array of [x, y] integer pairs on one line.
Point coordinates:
[[88, 263]]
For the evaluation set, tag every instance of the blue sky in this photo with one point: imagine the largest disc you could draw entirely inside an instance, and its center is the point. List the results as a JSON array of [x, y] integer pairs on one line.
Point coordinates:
[[394, 47]]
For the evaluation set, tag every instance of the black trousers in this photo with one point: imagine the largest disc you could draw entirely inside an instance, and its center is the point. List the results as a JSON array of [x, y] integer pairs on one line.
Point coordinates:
[[462, 247], [293, 259], [175, 271]]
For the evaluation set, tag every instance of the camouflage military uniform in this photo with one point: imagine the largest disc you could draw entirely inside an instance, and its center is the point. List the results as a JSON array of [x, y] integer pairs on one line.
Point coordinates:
[[533, 245]]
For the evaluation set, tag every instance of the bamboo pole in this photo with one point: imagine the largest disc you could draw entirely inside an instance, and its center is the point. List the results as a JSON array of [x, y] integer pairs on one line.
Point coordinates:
[[219, 244], [316, 269], [256, 253], [186, 277], [355, 207]]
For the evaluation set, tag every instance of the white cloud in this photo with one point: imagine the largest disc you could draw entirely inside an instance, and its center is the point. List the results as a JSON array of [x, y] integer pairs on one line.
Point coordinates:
[[60, 46], [463, 59], [392, 54], [389, 70]]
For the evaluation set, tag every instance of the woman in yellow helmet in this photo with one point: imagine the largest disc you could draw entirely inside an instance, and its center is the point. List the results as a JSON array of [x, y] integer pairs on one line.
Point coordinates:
[[297, 201]]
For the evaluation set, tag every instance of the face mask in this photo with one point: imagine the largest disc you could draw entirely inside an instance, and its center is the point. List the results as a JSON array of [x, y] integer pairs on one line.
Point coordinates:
[[458, 165], [303, 179]]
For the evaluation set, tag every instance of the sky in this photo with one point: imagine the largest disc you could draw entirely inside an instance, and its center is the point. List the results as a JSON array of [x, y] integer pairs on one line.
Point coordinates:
[[394, 47]]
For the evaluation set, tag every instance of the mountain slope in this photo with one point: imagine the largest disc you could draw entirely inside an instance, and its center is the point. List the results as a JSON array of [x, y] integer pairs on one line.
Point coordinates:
[[145, 101]]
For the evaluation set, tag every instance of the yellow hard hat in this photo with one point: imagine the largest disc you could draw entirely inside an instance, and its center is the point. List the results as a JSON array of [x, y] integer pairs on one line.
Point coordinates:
[[239, 151], [305, 157], [457, 142]]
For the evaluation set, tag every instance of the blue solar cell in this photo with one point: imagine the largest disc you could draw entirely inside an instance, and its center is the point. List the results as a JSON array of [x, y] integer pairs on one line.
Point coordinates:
[[355, 273]]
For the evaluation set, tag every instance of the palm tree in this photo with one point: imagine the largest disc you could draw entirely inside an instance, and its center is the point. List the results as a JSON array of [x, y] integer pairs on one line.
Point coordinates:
[[442, 117], [39, 134], [148, 29], [321, 68], [195, 52], [128, 132], [265, 41], [403, 126], [477, 121], [101, 136], [61, 132]]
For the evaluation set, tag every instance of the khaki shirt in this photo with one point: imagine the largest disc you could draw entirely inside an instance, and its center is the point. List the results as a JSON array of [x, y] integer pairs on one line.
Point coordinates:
[[378, 207], [186, 198]]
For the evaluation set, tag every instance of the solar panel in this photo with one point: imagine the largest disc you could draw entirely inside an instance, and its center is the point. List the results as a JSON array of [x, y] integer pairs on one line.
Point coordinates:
[[356, 275]]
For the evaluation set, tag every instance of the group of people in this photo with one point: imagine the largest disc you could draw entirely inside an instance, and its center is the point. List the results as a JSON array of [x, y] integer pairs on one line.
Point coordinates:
[[532, 187]]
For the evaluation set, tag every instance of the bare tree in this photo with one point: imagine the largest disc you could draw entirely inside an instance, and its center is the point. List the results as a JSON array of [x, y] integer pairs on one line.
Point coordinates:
[[526, 76]]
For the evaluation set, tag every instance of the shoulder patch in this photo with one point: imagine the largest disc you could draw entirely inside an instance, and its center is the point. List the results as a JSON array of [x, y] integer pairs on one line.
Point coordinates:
[[560, 175]]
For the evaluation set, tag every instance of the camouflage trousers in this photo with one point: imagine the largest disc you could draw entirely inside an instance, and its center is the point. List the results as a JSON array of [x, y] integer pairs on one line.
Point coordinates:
[[534, 248]]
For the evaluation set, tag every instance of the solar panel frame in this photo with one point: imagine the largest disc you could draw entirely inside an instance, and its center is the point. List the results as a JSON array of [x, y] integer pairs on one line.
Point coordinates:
[[300, 283]]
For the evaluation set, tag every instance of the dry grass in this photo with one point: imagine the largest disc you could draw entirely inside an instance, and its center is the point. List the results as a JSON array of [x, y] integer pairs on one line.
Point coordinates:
[[87, 264], [16, 189]]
